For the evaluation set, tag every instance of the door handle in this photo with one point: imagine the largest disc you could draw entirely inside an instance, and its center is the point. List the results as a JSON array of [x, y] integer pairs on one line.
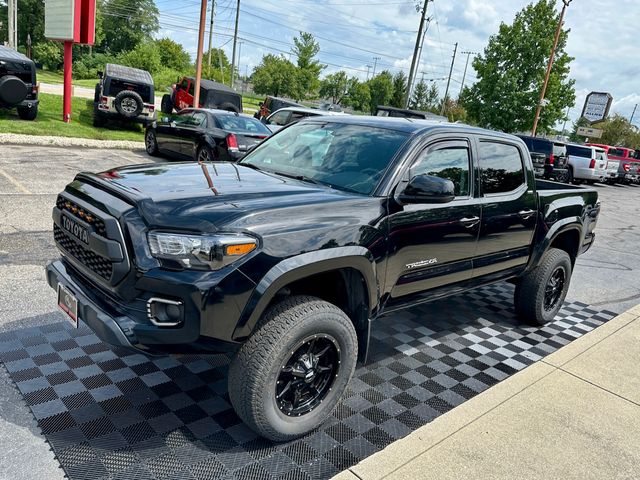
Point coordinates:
[[525, 214], [469, 222]]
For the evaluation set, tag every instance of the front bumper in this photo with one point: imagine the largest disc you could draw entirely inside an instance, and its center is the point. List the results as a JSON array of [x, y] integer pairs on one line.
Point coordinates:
[[113, 330]]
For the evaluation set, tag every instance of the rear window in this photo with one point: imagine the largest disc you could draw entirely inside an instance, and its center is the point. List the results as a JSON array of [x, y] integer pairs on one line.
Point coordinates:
[[578, 151], [616, 152], [559, 149], [242, 124]]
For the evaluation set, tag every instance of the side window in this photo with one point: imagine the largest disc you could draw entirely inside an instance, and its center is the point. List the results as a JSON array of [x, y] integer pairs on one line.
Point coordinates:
[[279, 118], [185, 84], [191, 88], [501, 167], [449, 160], [199, 119], [295, 116]]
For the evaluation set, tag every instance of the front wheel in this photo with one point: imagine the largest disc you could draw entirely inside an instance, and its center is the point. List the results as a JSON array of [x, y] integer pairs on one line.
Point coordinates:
[[26, 113], [540, 293], [287, 378], [151, 142]]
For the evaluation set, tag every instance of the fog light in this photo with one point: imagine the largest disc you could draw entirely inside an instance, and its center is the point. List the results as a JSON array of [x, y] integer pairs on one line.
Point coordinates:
[[165, 313]]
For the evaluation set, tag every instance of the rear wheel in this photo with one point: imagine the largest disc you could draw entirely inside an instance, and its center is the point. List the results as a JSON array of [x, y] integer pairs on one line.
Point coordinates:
[[98, 120], [26, 113], [151, 142], [205, 154], [166, 105], [540, 294], [287, 378]]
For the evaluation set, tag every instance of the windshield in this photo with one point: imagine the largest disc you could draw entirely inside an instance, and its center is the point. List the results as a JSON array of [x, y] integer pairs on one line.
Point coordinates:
[[346, 157], [239, 124]]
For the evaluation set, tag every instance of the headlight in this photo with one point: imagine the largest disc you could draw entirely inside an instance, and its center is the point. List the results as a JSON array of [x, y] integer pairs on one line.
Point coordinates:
[[201, 251]]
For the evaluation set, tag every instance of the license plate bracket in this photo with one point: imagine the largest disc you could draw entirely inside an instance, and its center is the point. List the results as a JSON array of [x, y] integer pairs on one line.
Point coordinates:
[[68, 303]]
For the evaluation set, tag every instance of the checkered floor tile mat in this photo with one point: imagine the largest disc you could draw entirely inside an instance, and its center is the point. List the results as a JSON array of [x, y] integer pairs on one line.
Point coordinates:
[[112, 414]]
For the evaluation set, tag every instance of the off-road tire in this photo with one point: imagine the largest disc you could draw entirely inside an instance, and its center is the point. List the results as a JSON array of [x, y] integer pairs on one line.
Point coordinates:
[[529, 294], [151, 142], [256, 366], [98, 120], [166, 105], [229, 107], [96, 93], [128, 96], [26, 113]]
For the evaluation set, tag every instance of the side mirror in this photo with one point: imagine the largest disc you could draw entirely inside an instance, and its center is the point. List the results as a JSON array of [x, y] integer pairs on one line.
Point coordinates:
[[427, 189]]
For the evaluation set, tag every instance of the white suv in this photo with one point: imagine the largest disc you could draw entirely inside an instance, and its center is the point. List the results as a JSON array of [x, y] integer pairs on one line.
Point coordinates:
[[588, 164]]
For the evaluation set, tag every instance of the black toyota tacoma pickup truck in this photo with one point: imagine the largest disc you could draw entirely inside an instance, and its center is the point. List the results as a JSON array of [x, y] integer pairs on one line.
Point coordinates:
[[285, 258]]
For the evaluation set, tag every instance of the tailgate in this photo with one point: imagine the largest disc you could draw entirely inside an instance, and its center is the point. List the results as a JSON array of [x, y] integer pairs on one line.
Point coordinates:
[[612, 166]]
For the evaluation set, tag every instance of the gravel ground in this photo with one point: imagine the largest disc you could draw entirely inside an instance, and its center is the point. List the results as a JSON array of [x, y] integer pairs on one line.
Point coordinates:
[[51, 141]]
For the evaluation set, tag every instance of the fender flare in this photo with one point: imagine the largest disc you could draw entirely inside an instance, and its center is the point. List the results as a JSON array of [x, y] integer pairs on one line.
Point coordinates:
[[558, 228], [303, 266]]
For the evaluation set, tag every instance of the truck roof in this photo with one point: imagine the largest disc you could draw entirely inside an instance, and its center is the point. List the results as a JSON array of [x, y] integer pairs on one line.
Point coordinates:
[[212, 85], [10, 54], [408, 125], [128, 73]]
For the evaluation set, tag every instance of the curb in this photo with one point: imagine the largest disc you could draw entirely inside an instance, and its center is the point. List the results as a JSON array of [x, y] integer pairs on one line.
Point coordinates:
[[406, 450], [51, 141]]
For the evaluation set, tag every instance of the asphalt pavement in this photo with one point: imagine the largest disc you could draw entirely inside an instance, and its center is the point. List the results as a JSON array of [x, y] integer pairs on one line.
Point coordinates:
[[30, 178]]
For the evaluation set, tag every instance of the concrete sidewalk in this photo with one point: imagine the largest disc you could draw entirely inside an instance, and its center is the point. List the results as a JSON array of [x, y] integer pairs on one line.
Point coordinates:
[[574, 414]]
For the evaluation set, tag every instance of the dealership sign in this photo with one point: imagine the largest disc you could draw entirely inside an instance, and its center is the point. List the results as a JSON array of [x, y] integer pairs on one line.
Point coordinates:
[[589, 132], [70, 21], [596, 106]]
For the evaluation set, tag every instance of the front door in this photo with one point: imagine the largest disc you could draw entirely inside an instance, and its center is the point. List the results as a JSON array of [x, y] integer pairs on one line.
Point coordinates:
[[432, 245], [169, 133], [509, 209], [190, 133]]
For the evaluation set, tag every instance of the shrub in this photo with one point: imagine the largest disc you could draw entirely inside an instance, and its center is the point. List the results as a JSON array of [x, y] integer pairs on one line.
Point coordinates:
[[49, 54]]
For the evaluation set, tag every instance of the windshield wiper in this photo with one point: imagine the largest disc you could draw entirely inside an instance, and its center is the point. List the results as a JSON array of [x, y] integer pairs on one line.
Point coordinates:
[[250, 165], [302, 178]]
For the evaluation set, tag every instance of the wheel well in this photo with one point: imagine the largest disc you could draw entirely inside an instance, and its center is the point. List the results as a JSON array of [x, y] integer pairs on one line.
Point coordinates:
[[568, 241], [345, 288]]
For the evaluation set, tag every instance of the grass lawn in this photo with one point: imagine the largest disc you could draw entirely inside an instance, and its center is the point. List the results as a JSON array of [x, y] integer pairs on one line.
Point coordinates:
[[49, 122], [45, 76]]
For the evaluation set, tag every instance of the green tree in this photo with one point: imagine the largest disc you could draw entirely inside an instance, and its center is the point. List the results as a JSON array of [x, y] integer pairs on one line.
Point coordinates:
[[399, 89], [276, 76], [511, 73], [49, 54], [335, 86], [173, 55], [306, 48], [358, 95], [581, 122], [381, 90], [145, 56], [419, 97], [128, 23], [617, 130], [453, 110]]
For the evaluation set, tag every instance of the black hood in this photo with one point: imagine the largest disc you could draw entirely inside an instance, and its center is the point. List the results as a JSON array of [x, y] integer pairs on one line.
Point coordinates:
[[204, 197]]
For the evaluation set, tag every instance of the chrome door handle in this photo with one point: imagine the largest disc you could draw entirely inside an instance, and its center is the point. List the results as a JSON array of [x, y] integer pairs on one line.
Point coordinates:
[[469, 222], [525, 214]]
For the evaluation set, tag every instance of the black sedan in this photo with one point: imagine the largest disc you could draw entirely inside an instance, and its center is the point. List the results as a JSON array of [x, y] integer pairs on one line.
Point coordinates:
[[205, 135]]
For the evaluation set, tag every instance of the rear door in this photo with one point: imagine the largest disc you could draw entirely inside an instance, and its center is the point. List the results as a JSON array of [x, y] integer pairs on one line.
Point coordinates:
[[509, 209], [432, 245]]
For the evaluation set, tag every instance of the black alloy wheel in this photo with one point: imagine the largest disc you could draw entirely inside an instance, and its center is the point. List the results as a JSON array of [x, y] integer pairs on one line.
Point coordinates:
[[150, 142], [307, 377], [555, 287]]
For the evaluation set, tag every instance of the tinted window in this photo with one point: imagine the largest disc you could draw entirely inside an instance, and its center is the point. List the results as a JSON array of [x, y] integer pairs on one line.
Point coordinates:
[[501, 167], [450, 162], [242, 124], [347, 157], [199, 119], [616, 152], [579, 151], [298, 115], [542, 146]]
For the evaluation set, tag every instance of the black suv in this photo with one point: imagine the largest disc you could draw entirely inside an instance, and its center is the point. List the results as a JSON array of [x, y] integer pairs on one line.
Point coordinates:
[[124, 93], [18, 87], [549, 158]]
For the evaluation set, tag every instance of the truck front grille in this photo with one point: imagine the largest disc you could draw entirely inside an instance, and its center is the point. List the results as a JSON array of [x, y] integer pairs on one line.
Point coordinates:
[[100, 265], [64, 204]]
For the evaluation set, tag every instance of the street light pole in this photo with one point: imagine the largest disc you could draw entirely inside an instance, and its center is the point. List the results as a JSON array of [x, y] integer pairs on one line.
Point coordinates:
[[565, 4]]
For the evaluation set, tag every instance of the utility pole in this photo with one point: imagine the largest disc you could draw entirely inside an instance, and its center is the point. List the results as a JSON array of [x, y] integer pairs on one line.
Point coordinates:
[[565, 4], [213, 16], [235, 40], [239, 54], [464, 75], [12, 6], [566, 118], [424, 35], [446, 92], [203, 20], [633, 114], [414, 61], [368, 68], [375, 63]]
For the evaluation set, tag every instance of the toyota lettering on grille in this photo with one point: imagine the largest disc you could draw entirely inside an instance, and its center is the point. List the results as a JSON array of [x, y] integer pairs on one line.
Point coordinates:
[[75, 229]]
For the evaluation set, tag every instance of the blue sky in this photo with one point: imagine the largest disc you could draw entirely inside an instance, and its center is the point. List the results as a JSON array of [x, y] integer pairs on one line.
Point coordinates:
[[604, 39]]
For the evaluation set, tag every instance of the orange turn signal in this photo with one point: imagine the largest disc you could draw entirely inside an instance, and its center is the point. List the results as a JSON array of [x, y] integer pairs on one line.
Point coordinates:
[[240, 249]]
